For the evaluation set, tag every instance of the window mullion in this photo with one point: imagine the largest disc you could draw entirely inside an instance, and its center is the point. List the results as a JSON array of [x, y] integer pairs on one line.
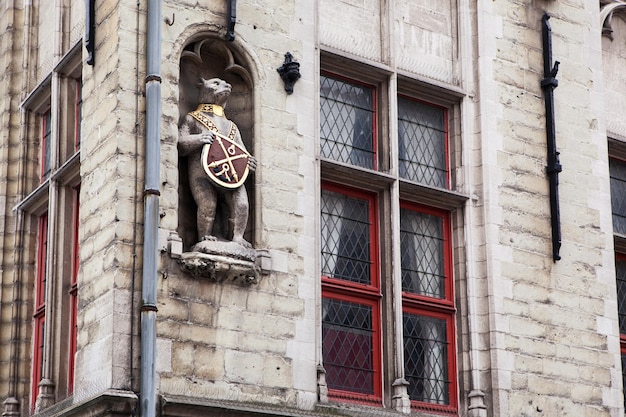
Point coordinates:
[[401, 400], [392, 133], [53, 216], [47, 371]]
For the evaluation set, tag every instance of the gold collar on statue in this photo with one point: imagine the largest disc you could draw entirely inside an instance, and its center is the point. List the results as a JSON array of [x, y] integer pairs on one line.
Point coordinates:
[[212, 108]]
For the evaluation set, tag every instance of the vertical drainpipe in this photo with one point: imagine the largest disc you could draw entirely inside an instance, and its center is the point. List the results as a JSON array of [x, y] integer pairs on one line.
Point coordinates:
[[151, 210]]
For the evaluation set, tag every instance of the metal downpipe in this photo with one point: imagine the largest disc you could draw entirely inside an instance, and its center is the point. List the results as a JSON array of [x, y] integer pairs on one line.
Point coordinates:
[[151, 211]]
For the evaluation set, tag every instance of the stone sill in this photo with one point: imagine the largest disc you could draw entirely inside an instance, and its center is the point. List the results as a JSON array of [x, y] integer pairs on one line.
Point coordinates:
[[111, 402], [182, 406]]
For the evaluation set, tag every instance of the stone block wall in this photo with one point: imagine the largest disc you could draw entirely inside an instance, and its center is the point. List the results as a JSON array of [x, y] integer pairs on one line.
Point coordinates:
[[111, 170], [535, 336], [553, 325], [253, 343]]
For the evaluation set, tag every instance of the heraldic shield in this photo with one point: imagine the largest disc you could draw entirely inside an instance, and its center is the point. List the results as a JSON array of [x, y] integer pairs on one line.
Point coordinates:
[[225, 162]]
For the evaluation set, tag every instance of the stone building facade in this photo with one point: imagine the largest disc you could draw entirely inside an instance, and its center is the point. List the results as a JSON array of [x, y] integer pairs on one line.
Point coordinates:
[[408, 259]]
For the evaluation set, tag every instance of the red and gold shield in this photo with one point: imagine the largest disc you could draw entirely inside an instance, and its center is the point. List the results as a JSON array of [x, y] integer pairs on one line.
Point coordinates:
[[225, 162]]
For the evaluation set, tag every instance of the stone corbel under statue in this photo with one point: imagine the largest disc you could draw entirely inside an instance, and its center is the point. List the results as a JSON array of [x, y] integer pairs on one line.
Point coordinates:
[[217, 166]]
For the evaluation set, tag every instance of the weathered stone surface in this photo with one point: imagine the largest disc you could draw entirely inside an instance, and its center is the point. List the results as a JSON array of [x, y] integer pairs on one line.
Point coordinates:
[[221, 267]]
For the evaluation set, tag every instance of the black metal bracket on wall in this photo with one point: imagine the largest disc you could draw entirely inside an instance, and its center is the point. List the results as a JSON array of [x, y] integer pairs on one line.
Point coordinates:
[[231, 19], [90, 30], [548, 84]]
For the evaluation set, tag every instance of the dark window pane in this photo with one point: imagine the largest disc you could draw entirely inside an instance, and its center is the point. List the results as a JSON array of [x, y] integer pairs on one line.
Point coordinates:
[[618, 194], [620, 275], [79, 113], [422, 253], [422, 143], [47, 146], [347, 122], [426, 359], [345, 238], [348, 346]]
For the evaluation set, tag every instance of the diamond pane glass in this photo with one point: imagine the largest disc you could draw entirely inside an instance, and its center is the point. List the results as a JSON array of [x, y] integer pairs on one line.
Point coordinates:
[[620, 275], [426, 358], [618, 194], [422, 253], [422, 143], [347, 122], [346, 238], [347, 346]]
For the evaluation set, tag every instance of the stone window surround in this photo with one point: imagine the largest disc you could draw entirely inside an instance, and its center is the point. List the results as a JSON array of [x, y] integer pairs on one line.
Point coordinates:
[[617, 151], [55, 197], [391, 190]]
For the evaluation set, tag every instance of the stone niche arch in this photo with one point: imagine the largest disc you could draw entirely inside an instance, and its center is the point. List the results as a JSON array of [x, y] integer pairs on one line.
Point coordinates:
[[613, 21], [609, 8], [209, 57]]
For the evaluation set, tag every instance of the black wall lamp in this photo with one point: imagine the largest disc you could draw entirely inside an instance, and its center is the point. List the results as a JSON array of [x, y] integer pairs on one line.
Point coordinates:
[[289, 72]]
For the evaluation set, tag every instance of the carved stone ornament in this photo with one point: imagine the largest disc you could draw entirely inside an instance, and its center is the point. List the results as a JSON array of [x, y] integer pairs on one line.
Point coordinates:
[[220, 268], [215, 164]]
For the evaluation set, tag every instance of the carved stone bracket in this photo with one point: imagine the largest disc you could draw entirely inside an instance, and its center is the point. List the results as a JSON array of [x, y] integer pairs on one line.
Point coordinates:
[[11, 407], [322, 388], [400, 400], [220, 268], [609, 8], [45, 398], [222, 261]]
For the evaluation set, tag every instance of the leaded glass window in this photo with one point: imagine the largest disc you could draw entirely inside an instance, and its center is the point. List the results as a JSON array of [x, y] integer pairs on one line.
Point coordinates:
[[617, 170], [348, 346], [422, 143], [620, 275], [345, 237], [426, 358], [422, 253], [347, 121], [361, 187]]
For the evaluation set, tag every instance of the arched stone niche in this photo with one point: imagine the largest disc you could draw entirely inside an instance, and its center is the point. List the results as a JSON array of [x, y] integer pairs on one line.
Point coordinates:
[[609, 9], [211, 57]]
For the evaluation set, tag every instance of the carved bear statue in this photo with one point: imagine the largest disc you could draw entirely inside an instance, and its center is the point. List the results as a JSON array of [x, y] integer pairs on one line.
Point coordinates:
[[216, 173]]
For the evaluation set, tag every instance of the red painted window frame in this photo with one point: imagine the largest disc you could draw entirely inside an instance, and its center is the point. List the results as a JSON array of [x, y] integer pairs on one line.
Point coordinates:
[[445, 128], [374, 91], [441, 308], [448, 300], [73, 293], [369, 295], [39, 316]]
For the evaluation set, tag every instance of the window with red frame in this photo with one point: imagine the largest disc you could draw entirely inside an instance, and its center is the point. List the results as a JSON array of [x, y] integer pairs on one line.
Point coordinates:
[[39, 316], [73, 293], [428, 306], [351, 295], [348, 123], [358, 355]]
